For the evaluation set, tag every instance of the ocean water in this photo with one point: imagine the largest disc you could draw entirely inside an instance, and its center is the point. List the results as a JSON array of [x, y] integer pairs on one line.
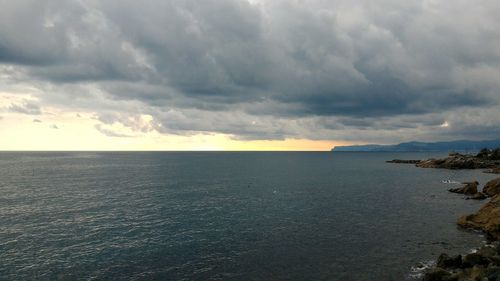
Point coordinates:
[[226, 216]]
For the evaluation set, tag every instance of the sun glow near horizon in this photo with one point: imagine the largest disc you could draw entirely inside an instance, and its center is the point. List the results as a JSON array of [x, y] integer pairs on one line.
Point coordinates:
[[77, 131]]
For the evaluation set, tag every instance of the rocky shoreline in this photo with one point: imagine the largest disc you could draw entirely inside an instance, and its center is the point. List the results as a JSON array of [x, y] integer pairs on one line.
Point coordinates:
[[486, 159], [484, 263]]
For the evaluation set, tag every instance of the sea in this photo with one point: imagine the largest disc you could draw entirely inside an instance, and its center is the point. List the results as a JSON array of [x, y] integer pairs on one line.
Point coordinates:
[[227, 216]]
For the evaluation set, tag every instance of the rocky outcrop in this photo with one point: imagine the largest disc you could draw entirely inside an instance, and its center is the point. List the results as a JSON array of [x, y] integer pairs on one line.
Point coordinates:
[[483, 160], [469, 188], [459, 161], [481, 265], [492, 187], [486, 219], [402, 161], [445, 261], [485, 263], [492, 154]]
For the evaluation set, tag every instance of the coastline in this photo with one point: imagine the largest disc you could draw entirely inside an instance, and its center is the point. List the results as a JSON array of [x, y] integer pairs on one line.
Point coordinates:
[[483, 263]]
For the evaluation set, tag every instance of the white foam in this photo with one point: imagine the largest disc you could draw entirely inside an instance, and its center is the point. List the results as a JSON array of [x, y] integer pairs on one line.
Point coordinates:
[[417, 271]]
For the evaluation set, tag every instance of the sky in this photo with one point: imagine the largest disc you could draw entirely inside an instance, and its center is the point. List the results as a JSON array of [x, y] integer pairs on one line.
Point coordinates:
[[246, 75]]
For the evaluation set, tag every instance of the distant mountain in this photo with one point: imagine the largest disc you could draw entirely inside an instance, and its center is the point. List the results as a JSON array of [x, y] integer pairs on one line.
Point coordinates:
[[415, 146]]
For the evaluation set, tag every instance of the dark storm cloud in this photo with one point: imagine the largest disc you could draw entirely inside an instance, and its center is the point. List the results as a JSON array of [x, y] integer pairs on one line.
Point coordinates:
[[315, 69]]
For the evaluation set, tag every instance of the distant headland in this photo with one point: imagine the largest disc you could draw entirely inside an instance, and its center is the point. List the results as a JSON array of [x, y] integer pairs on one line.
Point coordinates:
[[415, 146]]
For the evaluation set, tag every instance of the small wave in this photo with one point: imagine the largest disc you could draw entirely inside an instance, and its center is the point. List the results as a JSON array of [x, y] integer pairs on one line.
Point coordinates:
[[417, 271]]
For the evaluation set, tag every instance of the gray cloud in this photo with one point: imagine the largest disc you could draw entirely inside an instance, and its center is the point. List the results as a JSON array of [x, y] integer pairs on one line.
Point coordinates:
[[110, 133], [27, 107], [37, 121], [278, 69]]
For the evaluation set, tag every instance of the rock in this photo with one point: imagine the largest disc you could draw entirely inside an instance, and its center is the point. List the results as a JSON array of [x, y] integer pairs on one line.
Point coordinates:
[[495, 260], [400, 161], [493, 273], [487, 252], [437, 274], [477, 196], [459, 161], [492, 187], [445, 261], [478, 273], [469, 188], [473, 259], [486, 219]]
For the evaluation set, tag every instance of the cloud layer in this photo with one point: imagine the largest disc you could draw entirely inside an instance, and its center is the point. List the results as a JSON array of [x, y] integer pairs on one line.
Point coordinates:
[[361, 70]]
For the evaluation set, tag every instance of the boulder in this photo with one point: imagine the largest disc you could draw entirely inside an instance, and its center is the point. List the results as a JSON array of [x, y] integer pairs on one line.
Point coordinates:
[[492, 187], [473, 259], [469, 188], [445, 261], [478, 272], [487, 252]]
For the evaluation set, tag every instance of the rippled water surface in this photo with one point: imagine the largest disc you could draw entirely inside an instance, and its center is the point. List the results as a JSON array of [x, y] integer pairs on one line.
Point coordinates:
[[225, 216]]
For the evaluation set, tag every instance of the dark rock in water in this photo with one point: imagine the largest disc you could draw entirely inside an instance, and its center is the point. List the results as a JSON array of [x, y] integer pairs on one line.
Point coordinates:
[[401, 161], [492, 187], [469, 188], [445, 261], [437, 274], [477, 196]]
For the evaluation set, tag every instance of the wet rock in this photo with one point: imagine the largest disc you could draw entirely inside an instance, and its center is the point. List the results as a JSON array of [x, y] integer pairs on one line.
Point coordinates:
[[469, 188], [445, 261], [492, 187], [437, 274], [478, 196]]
